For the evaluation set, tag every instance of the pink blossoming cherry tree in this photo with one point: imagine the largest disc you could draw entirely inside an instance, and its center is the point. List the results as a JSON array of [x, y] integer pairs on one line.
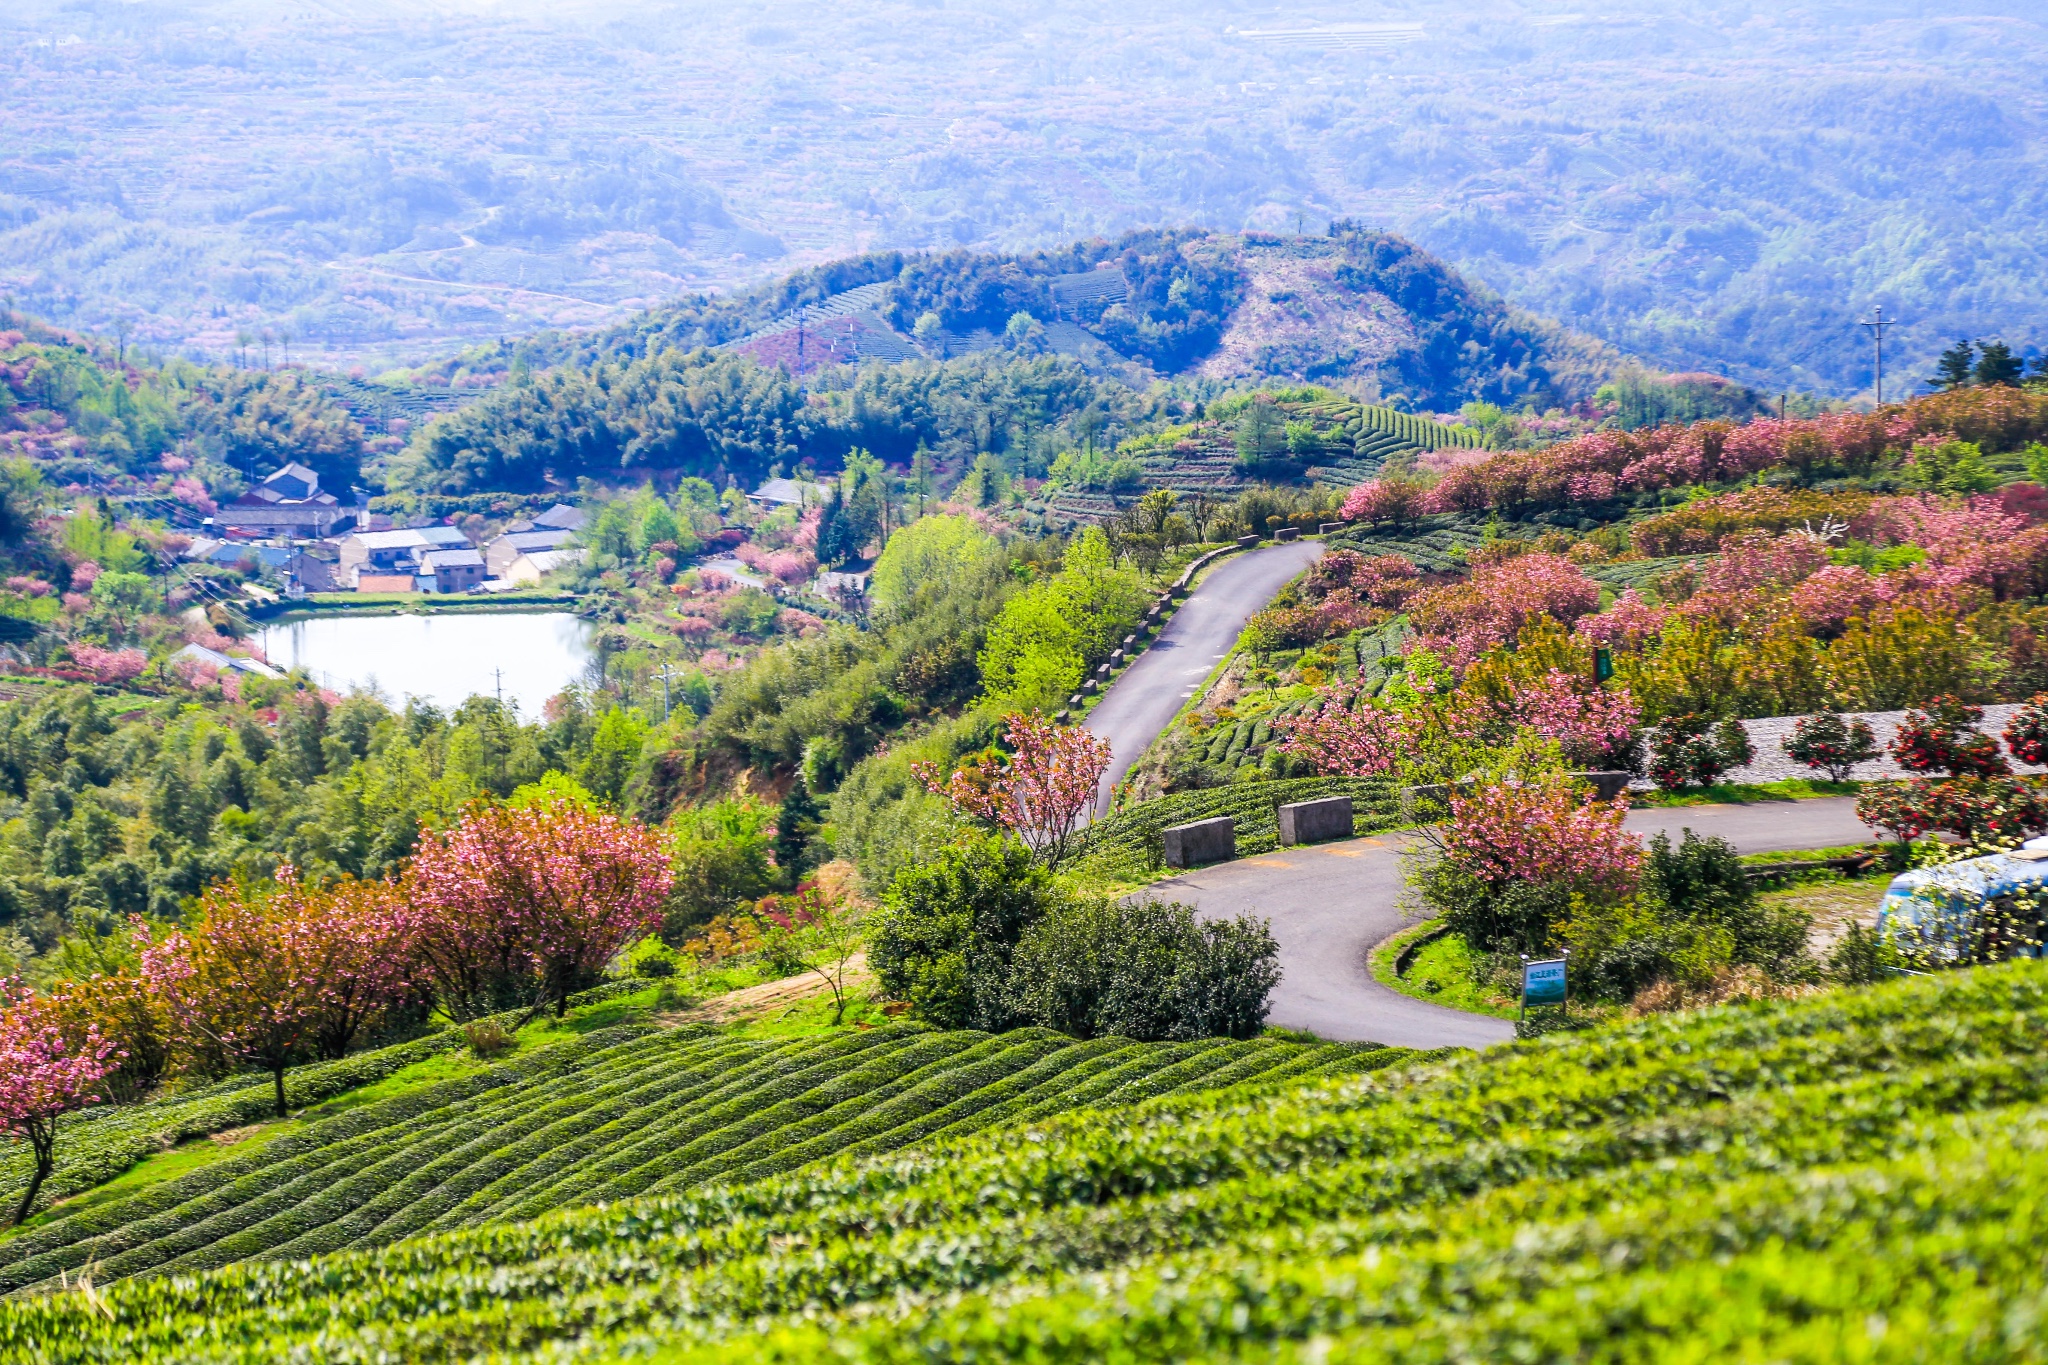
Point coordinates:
[[45, 1072]]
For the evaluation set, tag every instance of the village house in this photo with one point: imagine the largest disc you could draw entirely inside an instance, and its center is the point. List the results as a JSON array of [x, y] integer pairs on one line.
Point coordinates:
[[289, 502]]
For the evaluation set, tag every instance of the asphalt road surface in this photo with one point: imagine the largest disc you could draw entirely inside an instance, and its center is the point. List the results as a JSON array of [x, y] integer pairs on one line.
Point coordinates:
[[1149, 694], [1330, 903]]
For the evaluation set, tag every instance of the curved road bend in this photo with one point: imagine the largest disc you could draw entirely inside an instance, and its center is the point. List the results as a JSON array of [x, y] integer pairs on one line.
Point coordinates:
[[1143, 701], [1330, 903]]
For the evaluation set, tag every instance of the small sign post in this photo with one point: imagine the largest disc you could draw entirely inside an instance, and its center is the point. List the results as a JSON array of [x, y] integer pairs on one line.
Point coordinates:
[[1603, 665], [1545, 983]]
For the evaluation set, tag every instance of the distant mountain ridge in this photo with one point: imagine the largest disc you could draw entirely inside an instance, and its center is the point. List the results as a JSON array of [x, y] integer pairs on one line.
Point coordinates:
[[1356, 309]]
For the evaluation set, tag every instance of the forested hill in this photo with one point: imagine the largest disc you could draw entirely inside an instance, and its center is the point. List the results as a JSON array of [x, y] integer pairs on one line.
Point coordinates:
[[1352, 304]]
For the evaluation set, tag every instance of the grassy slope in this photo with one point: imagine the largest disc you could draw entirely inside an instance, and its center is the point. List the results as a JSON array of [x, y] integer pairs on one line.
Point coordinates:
[[1852, 1175], [595, 1110]]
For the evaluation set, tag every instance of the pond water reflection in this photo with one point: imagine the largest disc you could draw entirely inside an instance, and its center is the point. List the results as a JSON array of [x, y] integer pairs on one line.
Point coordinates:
[[525, 657]]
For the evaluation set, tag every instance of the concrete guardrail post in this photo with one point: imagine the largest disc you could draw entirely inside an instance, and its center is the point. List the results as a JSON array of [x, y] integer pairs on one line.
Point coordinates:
[[1311, 822], [1202, 841]]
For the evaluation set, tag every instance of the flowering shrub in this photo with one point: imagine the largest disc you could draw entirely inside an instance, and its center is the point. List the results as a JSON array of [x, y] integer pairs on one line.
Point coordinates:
[[1943, 737], [1630, 621], [1688, 750], [1040, 791], [1831, 744], [1595, 727], [1999, 810], [1393, 500], [114, 666], [46, 1071], [1754, 559], [1348, 734], [1826, 602], [1700, 527], [2026, 733], [1496, 601], [1895, 807], [1541, 833], [193, 494]]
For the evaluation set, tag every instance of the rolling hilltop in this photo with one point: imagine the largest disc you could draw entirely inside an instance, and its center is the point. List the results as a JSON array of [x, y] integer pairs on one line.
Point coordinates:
[[1364, 310]]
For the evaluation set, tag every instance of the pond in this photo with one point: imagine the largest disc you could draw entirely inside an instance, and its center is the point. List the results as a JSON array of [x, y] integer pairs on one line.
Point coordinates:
[[525, 657]]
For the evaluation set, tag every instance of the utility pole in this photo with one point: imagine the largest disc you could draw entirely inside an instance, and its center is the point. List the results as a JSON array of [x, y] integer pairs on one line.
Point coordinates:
[[1875, 326], [498, 678], [667, 672]]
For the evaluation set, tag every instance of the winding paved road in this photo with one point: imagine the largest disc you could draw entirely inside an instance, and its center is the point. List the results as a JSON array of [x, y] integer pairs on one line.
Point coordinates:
[[1330, 903], [1149, 694]]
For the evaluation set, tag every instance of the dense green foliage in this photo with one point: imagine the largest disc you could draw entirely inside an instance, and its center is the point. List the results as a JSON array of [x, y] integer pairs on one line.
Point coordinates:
[[1851, 1174], [981, 936], [108, 814], [721, 416], [91, 412], [615, 1114]]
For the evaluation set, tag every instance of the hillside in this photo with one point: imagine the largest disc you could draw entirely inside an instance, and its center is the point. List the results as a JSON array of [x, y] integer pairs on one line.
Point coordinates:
[[1851, 1175], [634, 1109], [1336, 442], [1358, 308]]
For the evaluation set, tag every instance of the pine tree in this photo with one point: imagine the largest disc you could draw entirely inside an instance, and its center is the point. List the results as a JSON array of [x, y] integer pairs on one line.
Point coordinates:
[[795, 824], [1996, 364], [1955, 369]]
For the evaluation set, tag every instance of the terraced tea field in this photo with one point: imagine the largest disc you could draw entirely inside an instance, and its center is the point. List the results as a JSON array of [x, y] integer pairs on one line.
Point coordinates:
[[1357, 441], [630, 1111], [1856, 1175]]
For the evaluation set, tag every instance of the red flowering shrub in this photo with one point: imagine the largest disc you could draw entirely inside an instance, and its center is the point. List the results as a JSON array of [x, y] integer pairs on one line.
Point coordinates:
[[1830, 744], [1690, 750], [1985, 810], [1943, 737], [2026, 733]]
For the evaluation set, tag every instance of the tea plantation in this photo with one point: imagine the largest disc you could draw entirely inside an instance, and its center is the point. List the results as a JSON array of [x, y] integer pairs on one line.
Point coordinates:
[[631, 1110], [1858, 1175]]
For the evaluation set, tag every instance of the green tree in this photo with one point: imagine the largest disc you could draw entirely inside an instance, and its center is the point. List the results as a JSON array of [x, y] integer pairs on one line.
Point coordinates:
[[1260, 433], [1956, 367], [614, 752], [796, 829], [928, 550], [1996, 364], [946, 929]]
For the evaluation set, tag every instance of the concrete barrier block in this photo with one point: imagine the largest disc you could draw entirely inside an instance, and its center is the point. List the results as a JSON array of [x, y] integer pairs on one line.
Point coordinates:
[[1606, 785], [1091, 687], [1203, 841], [1287, 533], [1246, 542], [1330, 528], [1311, 822]]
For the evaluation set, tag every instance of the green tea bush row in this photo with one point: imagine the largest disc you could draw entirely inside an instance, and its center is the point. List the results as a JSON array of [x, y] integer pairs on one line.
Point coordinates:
[[606, 1116], [1805, 1179]]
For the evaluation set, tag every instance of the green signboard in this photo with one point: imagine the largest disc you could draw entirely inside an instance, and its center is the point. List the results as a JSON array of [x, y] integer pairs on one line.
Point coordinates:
[[1543, 983]]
